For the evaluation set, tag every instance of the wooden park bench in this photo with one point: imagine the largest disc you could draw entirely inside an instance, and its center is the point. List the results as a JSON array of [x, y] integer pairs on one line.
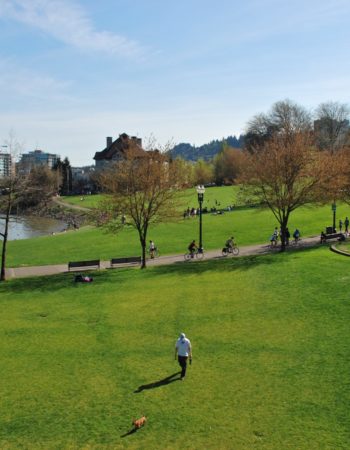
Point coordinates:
[[328, 237], [93, 264], [115, 262]]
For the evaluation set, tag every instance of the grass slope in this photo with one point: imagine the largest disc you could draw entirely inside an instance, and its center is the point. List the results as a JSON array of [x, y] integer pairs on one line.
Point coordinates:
[[271, 362], [248, 225]]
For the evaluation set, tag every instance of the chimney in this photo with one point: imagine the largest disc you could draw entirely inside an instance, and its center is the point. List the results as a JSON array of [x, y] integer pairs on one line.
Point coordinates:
[[109, 141], [137, 140]]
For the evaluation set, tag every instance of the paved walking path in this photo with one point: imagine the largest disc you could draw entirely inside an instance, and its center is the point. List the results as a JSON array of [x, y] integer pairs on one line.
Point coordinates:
[[21, 272]]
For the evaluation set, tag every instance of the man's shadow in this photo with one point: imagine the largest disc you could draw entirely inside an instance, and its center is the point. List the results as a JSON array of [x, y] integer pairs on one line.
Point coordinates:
[[159, 383]]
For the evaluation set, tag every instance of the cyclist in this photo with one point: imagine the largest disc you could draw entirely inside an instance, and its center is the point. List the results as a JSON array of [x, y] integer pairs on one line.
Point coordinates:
[[152, 249], [296, 235], [274, 237], [230, 243], [192, 248]]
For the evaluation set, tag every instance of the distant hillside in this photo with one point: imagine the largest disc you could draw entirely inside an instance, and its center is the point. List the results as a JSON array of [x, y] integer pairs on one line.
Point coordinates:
[[206, 151]]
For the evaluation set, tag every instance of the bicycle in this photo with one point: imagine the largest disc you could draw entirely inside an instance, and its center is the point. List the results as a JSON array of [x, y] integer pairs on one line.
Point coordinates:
[[273, 244], [153, 253], [296, 241], [198, 254], [234, 250]]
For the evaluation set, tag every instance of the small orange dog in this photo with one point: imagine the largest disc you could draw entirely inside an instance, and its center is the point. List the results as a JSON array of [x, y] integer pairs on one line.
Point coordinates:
[[138, 423]]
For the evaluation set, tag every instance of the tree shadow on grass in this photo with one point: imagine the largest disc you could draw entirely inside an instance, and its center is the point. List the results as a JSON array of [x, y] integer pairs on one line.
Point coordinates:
[[216, 265], [48, 283], [229, 264], [159, 383]]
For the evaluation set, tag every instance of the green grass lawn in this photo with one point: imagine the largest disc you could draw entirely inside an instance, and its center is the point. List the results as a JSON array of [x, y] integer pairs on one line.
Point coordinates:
[[89, 201], [248, 225], [271, 364], [225, 195]]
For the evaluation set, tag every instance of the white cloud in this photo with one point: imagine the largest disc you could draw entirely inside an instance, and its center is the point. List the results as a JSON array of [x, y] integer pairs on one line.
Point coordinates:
[[68, 22], [18, 84]]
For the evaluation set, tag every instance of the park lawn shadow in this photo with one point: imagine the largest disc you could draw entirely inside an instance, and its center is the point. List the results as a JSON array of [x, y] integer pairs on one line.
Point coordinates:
[[230, 264], [159, 383], [49, 283]]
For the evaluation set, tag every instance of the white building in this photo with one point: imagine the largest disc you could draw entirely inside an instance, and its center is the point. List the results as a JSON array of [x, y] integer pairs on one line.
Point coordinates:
[[5, 164]]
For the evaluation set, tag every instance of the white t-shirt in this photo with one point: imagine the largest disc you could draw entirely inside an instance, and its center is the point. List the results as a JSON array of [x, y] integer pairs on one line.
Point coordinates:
[[183, 346]]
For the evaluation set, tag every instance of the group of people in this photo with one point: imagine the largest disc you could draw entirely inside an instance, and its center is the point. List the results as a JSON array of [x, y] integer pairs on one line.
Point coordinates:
[[192, 248], [278, 234], [345, 223], [190, 212], [342, 235]]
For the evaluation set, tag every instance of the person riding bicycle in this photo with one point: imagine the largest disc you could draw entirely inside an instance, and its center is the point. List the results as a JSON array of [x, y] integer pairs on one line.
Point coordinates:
[[274, 237], [296, 235], [152, 249], [230, 243], [192, 248]]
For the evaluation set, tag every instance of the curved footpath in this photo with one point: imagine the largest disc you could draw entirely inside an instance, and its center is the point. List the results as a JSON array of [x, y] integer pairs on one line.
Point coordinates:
[[69, 205], [21, 272]]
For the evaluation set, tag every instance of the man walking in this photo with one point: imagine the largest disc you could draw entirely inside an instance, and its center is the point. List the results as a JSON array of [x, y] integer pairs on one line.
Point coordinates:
[[183, 351]]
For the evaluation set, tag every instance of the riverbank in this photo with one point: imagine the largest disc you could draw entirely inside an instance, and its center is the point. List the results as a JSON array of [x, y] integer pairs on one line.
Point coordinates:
[[58, 210], [45, 219]]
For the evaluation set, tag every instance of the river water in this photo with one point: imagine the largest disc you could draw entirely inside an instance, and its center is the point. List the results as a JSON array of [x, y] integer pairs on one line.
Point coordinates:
[[31, 226]]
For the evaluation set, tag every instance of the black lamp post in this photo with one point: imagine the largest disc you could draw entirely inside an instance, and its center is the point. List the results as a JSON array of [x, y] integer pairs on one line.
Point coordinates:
[[200, 191], [334, 208]]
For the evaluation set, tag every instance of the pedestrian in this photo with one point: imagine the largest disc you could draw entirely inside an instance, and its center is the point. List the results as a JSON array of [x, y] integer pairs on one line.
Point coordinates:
[[346, 223], [340, 225], [183, 352], [152, 249], [287, 236]]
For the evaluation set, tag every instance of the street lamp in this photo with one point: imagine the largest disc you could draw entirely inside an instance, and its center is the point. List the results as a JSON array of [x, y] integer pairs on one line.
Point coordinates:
[[334, 208], [200, 191]]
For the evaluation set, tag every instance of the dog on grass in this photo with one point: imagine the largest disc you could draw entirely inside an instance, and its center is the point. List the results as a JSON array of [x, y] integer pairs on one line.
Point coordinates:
[[138, 423]]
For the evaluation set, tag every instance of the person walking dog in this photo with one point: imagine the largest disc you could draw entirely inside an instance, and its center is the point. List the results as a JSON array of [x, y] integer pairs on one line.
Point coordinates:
[[183, 352]]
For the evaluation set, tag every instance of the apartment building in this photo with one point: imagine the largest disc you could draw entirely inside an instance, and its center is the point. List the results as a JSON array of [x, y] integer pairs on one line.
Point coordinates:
[[34, 159], [5, 164]]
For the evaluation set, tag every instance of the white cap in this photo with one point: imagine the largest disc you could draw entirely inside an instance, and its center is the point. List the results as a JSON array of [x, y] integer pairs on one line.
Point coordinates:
[[182, 335]]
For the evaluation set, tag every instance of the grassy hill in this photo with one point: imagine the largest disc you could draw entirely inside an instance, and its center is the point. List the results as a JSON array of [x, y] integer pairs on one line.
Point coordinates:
[[270, 342], [248, 225]]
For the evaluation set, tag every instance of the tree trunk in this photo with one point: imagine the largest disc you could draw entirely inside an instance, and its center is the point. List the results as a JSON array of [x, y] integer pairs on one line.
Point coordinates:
[[143, 248], [143, 263], [283, 233], [4, 242]]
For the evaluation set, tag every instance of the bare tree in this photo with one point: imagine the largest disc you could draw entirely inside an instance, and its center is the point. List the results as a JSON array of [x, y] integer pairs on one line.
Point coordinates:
[[286, 173], [41, 186], [11, 188], [142, 191], [285, 118], [332, 130], [332, 134]]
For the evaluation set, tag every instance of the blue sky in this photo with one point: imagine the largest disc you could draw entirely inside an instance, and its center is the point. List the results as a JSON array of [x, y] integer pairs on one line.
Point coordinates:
[[74, 71]]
